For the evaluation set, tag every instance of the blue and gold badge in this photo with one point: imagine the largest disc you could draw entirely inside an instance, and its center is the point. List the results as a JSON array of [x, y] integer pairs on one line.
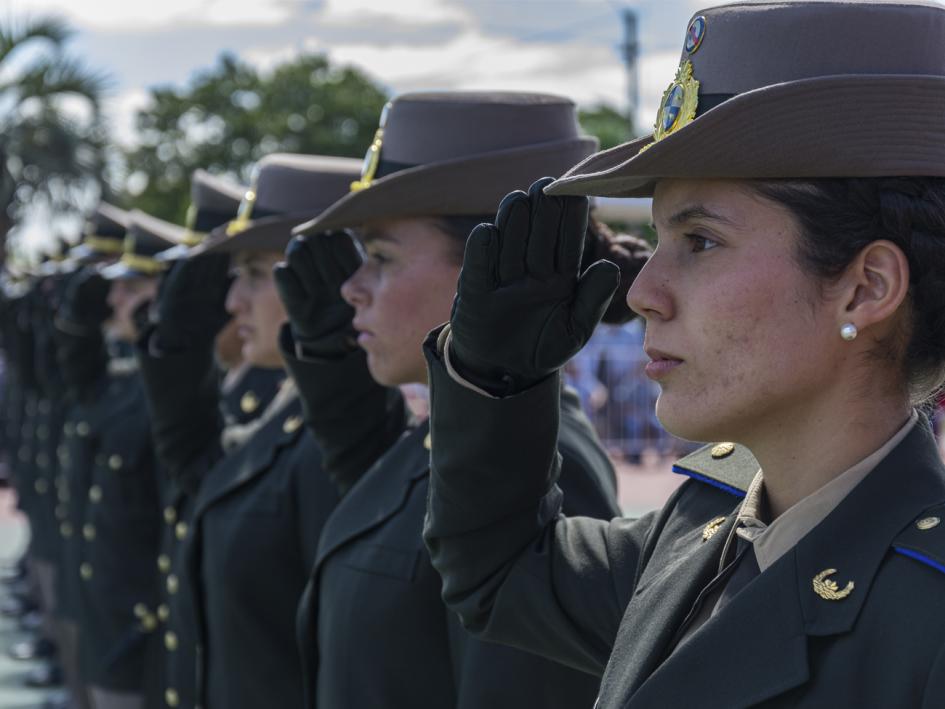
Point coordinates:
[[695, 34], [373, 156], [678, 107]]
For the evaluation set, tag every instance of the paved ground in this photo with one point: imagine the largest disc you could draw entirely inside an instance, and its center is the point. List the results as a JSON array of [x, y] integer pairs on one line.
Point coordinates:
[[12, 540]]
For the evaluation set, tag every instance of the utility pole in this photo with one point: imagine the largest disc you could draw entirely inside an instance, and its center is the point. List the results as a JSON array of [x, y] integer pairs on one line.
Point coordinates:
[[631, 50]]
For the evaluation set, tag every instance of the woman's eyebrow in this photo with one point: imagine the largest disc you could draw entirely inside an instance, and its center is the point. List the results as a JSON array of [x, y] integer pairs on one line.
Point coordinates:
[[698, 211]]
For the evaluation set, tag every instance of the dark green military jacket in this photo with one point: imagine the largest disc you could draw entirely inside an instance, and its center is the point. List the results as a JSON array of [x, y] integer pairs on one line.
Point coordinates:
[[256, 525], [372, 629], [173, 682], [613, 597], [120, 532], [248, 523]]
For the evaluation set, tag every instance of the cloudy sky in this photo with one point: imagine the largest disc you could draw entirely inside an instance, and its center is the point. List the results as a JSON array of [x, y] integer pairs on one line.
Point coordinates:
[[570, 47], [563, 46]]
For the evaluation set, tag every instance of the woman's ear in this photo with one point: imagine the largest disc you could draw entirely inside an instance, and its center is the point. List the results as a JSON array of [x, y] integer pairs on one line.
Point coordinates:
[[876, 284]]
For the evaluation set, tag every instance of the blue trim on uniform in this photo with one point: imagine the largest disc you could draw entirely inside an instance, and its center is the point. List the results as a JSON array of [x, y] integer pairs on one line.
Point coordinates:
[[715, 483], [921, 558]]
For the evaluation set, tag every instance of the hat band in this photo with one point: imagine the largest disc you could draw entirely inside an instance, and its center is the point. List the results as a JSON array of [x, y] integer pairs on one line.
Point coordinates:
[[389, 167], [104, 245], [710, 101], [206, 220], [144, 264]]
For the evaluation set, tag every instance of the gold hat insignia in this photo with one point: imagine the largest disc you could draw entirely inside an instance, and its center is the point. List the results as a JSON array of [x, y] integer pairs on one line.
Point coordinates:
[[678, 105]]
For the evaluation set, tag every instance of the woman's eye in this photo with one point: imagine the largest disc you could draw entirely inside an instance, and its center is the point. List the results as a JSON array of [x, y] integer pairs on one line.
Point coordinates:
[[378, 258], [700, 243]]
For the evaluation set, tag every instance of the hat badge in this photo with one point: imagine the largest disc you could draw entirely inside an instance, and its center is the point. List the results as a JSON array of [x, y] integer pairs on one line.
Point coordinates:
[[244, 214], [373, 156], [678, 107], [695, 33]]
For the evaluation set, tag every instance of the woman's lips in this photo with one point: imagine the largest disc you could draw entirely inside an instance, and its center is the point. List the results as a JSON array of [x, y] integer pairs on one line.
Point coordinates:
[[244, 332], [661, 364]]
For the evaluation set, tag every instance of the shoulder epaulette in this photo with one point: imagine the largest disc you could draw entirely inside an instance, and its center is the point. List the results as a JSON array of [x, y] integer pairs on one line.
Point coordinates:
[[727, 466], [924, 540]]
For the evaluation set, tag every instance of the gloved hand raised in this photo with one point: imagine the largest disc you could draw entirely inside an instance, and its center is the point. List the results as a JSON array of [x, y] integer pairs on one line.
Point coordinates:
[[85, 303], [309, 282], [191, 302], [522, 307]]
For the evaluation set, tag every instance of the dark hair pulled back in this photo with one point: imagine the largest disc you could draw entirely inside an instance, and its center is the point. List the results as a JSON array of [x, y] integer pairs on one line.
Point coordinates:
[[839, 217]]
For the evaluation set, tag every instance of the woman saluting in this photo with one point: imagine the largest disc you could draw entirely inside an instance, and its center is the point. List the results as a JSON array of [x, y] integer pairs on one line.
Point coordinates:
[[794, 307], [374, 631]]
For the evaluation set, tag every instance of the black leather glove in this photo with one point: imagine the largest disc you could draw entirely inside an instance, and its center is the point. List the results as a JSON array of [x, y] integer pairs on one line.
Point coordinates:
[[191, 310], [522, 308], [309, 283], [85, 303]]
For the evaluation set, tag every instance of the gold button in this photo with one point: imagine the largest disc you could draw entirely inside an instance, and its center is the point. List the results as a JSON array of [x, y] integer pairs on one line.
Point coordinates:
[[172, 584], [428, 442], [927, 523], [83, 428], [163, 612], [95, 494], [292, 424], [180, 531], [88, 531], [164, 563], [65, 529], [712, 528], [85, 571], [171, 698], [114, 462], [41, 486], [140, 610], [149, 623], [249, 403], [170, 641], [723, 450], [170, 515]]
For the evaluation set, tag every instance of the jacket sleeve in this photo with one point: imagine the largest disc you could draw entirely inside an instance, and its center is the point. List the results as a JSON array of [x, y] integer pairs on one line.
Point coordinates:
[[183, 391], [513, 568], [314, 497], [353, 418], [493, 676]]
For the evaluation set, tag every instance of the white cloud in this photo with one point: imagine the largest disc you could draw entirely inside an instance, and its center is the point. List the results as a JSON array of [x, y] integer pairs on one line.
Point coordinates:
[[121, 110], [414, 12], [128, 14]]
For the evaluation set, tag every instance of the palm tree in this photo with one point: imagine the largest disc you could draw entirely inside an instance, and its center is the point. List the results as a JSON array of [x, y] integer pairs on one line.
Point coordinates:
[[51, 134]]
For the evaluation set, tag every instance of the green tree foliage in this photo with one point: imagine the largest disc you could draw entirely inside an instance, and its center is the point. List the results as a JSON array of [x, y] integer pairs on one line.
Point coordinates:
[[231, 115], [51, 136], [607, 124]]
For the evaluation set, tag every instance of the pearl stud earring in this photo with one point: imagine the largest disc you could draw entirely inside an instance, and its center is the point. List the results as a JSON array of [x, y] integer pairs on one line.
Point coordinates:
[[848, 331]]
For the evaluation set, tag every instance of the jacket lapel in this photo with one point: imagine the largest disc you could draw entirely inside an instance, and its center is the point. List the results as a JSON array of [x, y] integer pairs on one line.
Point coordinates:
[[756, 647], [659, 607], [379, 494], [255, 457]]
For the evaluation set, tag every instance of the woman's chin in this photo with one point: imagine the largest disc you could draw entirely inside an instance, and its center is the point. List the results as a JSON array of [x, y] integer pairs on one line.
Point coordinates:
[[685, 423]]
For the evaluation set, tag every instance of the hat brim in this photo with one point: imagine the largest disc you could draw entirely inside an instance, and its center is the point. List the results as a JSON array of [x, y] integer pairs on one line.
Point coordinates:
[[835, 126], [452, 188], [123, 272], [266, 234]]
